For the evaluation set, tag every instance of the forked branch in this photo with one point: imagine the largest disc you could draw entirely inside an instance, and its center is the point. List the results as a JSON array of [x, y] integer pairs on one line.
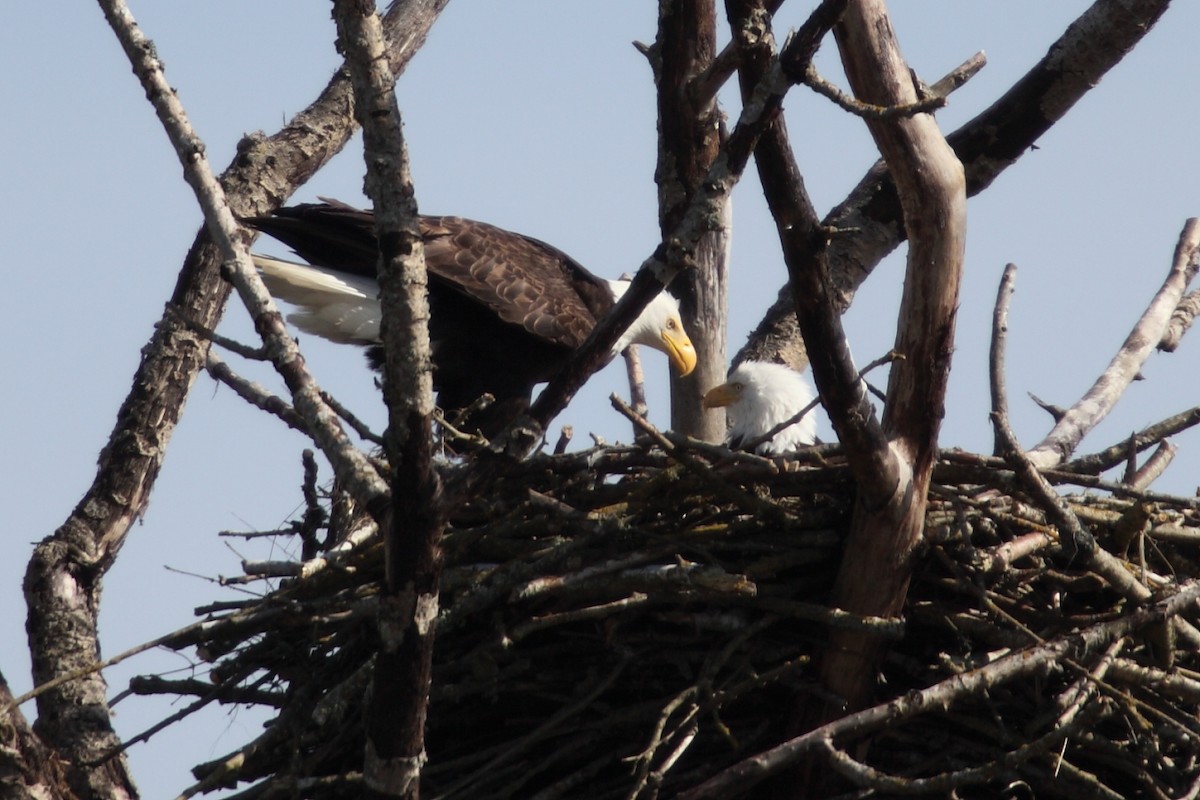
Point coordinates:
[[1094, 406]]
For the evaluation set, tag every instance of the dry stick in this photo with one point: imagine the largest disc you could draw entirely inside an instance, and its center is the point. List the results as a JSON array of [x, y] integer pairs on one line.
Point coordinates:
[[744, 499], [637, 382], [1094, 406], [990, 465], [1143, 440], [350, 465], [1076, 538], [1181, 320], [232, 345], [997, 348], [1154, 466], [744, 775], [100, 665], [926, 105], [214, 693], [351, 419], [397, 702], [253, 393], [259, 397]]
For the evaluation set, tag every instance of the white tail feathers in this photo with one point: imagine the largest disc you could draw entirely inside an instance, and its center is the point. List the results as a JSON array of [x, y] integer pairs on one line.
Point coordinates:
[[334, 305]]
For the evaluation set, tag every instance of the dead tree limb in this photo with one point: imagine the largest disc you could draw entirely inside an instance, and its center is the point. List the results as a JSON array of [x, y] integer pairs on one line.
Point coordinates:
[[987, 145], [1094, 406], [398, 700], [890, 511], [690, 130], [74, 719]]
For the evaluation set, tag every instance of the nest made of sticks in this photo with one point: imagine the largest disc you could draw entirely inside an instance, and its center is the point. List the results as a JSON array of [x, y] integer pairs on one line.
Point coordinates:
[[615, 625]]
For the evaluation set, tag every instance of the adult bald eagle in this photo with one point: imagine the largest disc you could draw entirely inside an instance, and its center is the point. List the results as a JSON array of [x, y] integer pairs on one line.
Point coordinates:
[[506, 310], [759, 396]]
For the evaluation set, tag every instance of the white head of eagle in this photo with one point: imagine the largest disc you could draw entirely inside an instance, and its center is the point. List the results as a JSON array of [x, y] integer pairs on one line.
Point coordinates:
[[759, 396]]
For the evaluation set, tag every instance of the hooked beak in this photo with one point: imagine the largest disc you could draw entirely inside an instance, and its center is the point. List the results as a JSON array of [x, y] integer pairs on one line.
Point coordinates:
[[724, 395], [679, 349]]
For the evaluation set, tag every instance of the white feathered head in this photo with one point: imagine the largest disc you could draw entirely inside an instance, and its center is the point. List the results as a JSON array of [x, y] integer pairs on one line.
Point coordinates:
[[759, 396]]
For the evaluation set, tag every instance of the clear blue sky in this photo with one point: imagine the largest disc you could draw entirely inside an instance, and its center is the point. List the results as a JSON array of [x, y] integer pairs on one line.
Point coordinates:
[[537, 116]]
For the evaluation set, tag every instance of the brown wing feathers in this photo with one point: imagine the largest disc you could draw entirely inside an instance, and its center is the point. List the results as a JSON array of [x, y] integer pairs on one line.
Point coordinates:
[[523, 281]]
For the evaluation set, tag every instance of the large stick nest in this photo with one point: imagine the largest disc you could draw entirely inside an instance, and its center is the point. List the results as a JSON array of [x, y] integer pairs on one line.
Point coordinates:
[[615, 625]]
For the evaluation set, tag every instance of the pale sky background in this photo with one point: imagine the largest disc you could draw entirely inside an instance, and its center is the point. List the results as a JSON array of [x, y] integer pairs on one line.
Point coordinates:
[[537, 116]]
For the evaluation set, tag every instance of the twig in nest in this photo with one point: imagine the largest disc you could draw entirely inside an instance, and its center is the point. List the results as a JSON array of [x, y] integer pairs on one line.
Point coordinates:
[[749, 772], [98, 666], [1077, 539], [700, 469], [457, 435], [1155, 465], [637, 381], [564, 439]]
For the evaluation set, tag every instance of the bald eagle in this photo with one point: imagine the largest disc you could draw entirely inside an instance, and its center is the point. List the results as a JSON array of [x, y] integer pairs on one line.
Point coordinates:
[[759, 396], [506, 310]]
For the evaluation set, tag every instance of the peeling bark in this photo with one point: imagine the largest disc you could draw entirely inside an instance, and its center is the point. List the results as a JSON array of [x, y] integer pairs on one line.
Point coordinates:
[[689, 135], [398, 701], [888, 518]]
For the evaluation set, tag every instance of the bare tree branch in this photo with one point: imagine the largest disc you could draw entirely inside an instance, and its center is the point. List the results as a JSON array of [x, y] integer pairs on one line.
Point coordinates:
[[62, 580], [689, 135], [804, 245], [1073, 538], [1094, 406], [874, 575], [1142, 440], [996, 355], [398, 700], [1181, 320], [987, 145]]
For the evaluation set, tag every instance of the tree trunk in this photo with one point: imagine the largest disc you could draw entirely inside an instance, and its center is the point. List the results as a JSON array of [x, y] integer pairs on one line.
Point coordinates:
[[689, 135]]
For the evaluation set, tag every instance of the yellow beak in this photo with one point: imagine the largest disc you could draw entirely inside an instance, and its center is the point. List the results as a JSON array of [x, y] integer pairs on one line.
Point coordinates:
[[679, 349], [724, 395]]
